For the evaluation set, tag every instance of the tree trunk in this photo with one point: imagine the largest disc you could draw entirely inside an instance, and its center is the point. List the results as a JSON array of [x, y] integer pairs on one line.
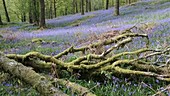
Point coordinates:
[[1, 23], [6, 11], [65, 11], [55, 14], [87, 5], [116, 8], [30, 13], [42, 14], [82, 7], [107, 4], [129, 1], [30, 17], [90, 6], [23, 17], [35, 12], [40, 83], [51, 10], [76, 5]]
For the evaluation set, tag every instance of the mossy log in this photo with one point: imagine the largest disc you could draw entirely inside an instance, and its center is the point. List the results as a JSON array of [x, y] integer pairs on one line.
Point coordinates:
[[40, 83]]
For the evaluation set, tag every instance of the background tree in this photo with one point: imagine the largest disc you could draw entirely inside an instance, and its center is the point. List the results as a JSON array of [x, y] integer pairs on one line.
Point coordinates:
[[42, 14], [90, 5], [129, 1], [55, 14], [107, 4], [6, 11], [1, 23], [116, 7], [82, 7], [87, 5], [30, 12], [76, 5]]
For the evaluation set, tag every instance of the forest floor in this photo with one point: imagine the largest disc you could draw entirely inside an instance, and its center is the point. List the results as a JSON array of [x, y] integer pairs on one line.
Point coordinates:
[[64, 31]]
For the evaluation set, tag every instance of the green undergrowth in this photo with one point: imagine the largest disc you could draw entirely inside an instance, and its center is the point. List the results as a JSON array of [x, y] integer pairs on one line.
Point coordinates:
[[45, 45], [129, 86]]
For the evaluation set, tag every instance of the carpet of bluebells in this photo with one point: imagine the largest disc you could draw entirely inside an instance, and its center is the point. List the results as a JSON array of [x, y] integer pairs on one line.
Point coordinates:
[[151, 15]]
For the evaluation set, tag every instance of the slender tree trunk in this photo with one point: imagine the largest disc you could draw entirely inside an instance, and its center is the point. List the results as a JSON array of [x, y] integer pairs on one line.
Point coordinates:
[[1, 23], [90, 6], [51, 10], [55, 14], [129, 1], [42, 14], [35, 12], [30, 17], [107, 4], [87, 5], [65, 12], [116, 7], [23, 17], [76, 5], [6, 11], [30, 14], [82, 7]]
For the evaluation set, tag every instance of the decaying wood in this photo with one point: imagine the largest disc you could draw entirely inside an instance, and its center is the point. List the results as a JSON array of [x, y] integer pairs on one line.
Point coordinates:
[[40, 83]]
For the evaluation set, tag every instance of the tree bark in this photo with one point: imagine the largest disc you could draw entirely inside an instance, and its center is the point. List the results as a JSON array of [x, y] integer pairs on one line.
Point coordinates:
[[1, 23], [35, 12], [40, 83], [23, 17], [55, 14], [6, 11], [65, 11], [30, 17], [76, 5], [87, 5], [116, 8], [129, 1], [30, 14], [82, 7], [90, 6], [42, 14], [51, 10], [107, 4]]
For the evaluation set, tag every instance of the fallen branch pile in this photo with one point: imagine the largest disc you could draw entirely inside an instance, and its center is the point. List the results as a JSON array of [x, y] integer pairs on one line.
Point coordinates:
[[143, 61]]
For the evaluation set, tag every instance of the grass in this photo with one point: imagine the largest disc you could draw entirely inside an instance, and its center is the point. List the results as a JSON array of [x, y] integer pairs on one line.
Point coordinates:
[[73, 23]]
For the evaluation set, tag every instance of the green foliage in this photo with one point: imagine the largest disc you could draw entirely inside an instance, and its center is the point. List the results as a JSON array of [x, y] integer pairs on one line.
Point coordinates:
[[122, 86], [17, 8]]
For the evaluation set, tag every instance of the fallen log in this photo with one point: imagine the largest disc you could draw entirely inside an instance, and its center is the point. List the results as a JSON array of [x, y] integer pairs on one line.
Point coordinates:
[[40, 83]]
